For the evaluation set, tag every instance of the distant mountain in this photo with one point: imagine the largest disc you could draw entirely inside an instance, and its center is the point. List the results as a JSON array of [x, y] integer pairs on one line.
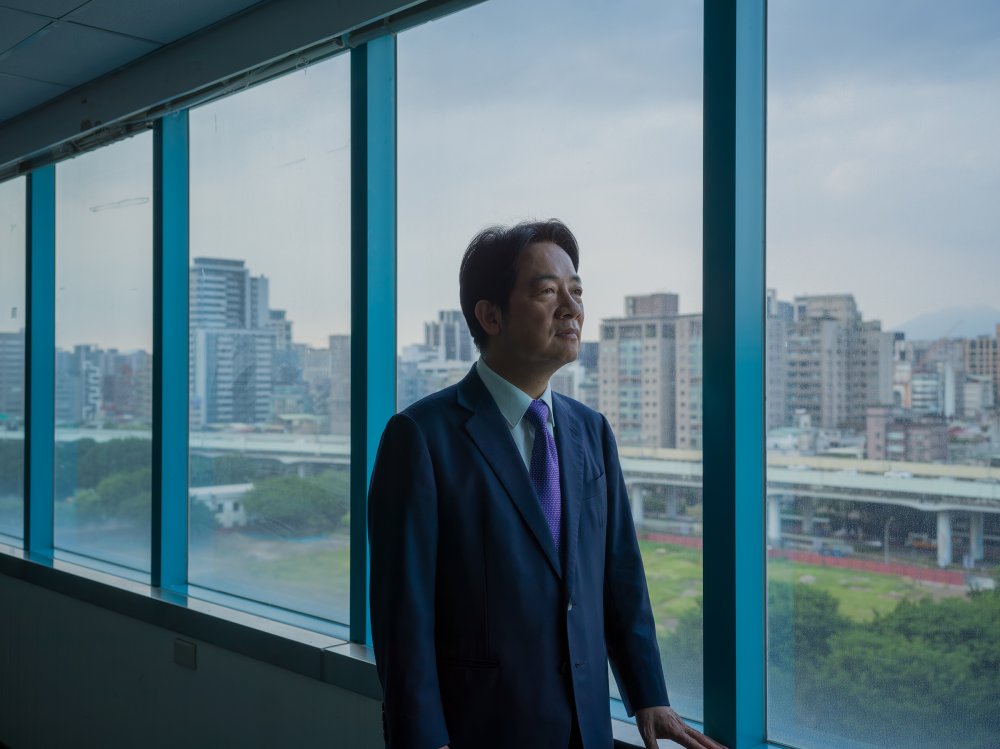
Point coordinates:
[[953, 322]]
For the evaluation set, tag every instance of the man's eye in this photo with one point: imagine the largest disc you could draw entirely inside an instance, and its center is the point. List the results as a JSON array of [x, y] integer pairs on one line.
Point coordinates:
[[578, 292]]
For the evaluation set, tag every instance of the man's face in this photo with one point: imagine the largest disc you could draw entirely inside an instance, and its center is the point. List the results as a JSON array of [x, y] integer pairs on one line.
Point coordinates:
[[542, 326]]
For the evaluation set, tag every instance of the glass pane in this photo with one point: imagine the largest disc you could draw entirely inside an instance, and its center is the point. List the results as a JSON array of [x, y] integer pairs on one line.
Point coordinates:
[[12, 322], [104, 343], [270, 342], [882, 363], [599, 125]]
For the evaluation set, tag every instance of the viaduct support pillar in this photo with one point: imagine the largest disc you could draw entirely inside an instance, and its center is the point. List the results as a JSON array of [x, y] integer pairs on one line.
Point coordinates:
[[774, 520], [808, 508], [638, 494], [976, 536], [672, 501], [944, 538]]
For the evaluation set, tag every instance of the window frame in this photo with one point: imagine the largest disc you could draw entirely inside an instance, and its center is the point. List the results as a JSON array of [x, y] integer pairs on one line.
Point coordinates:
[[733, 215]]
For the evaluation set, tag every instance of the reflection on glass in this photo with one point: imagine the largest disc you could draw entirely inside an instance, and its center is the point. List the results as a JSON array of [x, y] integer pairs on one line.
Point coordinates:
[[883, 515], [270, 345], [104, 367], [12, 322], [600, 126]]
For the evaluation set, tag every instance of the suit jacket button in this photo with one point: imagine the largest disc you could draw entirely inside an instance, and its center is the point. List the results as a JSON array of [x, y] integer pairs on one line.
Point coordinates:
[[569, 607]]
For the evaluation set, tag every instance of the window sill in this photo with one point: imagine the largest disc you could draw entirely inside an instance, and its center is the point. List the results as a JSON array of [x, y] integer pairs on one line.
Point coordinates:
[[314, 654], [317, 655]]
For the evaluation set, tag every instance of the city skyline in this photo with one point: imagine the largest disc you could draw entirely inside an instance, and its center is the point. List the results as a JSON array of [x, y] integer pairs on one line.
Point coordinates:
[[245, 361]]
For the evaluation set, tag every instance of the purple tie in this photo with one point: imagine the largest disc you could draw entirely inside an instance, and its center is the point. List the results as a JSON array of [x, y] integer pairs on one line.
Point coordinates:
[[545, 468]]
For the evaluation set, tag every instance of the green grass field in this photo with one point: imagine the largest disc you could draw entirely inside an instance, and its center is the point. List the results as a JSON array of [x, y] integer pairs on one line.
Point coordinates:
[[674, 576], [673, 573]]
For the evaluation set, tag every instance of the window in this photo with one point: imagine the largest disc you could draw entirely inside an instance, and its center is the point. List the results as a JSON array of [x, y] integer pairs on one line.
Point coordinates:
[[270, 346], [880, 166], [600, 126], [104, 343], [12, 330]]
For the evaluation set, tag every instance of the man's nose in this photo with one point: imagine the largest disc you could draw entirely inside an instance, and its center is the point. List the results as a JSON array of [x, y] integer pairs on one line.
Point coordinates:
[[571, 307]]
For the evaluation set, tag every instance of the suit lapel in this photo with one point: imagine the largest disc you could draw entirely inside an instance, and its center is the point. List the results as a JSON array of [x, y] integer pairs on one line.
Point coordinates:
[[569, 445], [488, 429]]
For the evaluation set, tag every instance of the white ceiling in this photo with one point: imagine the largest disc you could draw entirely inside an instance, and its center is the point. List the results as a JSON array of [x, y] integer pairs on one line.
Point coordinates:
[[48, 47]]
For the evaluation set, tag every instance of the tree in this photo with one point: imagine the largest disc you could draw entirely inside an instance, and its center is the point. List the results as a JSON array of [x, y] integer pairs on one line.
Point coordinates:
[[926, 675], [123, 496], [292, 506], [85, 463]]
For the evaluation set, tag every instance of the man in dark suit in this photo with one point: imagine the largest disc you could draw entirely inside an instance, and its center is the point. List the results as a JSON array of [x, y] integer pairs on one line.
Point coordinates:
[[505, 570]]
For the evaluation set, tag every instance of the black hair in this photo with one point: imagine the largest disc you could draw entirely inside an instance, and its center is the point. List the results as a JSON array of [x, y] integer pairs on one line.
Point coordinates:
[[491, 262]]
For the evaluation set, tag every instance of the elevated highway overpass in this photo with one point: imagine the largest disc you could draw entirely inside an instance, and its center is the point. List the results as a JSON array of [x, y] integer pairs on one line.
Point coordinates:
[[929, 487]]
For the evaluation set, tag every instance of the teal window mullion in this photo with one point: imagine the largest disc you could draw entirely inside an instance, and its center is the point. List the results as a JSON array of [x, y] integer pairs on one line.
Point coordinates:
[[373, 289], [734, 190], [169, 547], [40, 356]]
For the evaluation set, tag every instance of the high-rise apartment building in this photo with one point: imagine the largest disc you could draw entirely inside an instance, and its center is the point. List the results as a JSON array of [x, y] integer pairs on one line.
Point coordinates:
[[779, 316], [837, 363], [340, 384], [11, 378], [650, 375], [78, 386], [982, 359], [232, 344]]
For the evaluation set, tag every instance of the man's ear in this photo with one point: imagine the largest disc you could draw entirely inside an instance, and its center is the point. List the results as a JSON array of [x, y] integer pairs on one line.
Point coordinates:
[[489, 317]]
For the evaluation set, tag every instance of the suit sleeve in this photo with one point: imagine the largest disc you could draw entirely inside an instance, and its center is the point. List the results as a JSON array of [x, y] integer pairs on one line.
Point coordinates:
[[403, 532], [629, 628]]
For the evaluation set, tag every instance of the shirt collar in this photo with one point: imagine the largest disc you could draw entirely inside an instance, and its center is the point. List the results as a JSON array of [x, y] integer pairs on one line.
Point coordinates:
[[510, 399]]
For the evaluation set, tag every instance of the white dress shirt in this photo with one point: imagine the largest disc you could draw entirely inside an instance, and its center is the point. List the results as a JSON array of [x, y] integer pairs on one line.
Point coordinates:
[[513, 404]]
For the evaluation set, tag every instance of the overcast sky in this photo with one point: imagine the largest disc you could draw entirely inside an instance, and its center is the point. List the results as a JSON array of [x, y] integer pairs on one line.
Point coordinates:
[[883, 164]]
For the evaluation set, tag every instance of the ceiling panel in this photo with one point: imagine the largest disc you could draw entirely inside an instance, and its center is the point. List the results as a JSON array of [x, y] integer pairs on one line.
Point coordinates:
[[68, 54], [20, 94], [16, 26], [160, 21], [51, 8]]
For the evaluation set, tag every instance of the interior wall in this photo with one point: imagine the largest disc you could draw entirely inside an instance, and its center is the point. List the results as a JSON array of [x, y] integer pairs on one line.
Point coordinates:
[[74, 674]]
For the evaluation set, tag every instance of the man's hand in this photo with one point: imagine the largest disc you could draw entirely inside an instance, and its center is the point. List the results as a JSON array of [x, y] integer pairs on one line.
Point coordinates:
[[663, 723]]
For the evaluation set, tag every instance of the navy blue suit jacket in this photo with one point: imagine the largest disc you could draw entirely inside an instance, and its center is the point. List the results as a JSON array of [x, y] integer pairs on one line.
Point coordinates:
[[484, 636]]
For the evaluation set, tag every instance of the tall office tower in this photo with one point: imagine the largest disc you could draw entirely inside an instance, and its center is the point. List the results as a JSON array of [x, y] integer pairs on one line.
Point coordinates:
[[442, 359], [779, 316], [220, 293], [649, 365], [12, 379], [232, 344], [982, 358], [838, 364], [232, 381], [449, 337]]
